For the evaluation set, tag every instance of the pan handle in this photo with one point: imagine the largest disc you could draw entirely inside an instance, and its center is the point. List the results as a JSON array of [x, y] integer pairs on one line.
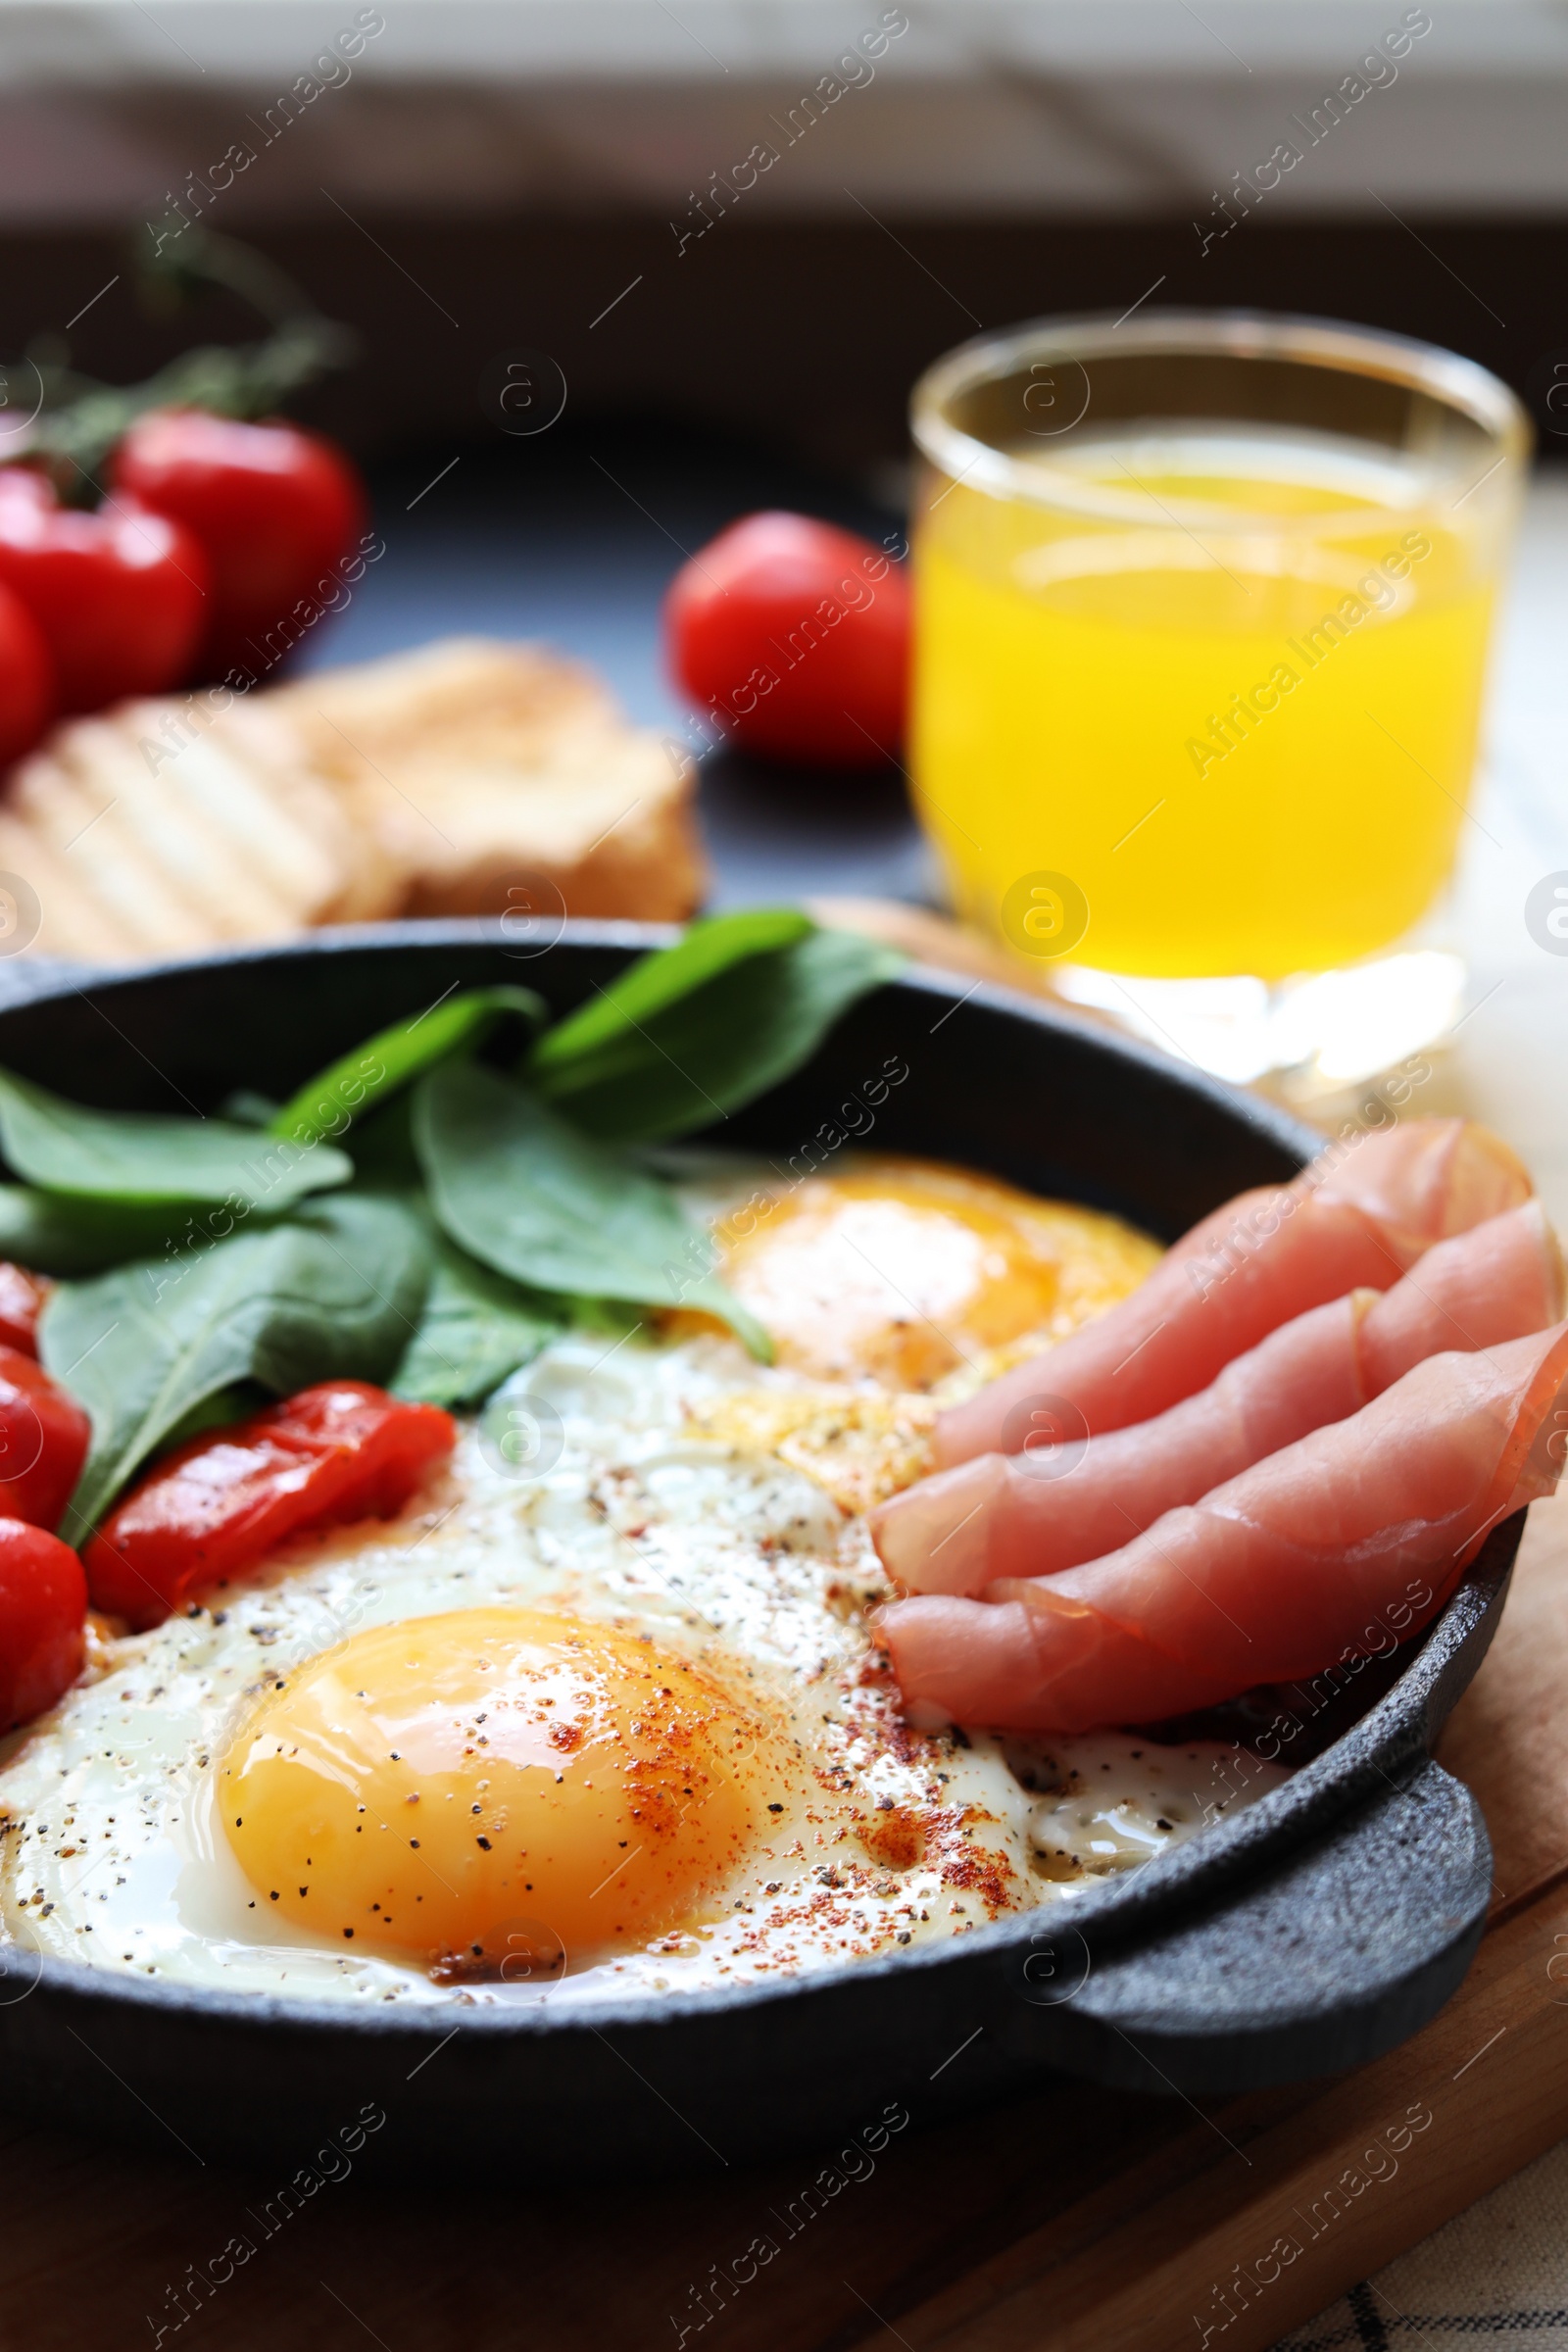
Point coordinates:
[[1341, 1951]]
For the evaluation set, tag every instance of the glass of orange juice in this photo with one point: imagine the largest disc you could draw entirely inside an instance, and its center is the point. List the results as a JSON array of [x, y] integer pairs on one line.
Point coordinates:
[[1202, 605]]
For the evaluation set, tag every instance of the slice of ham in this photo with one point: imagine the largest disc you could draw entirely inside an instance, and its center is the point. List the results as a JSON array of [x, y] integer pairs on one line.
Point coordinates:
[[1423, 1180], [1357, 1219], [1334, 1549], [1053, 1506]]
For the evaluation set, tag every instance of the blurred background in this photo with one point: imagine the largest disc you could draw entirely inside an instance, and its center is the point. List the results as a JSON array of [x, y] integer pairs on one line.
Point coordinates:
[[569, 177], [583, 183], [563, 174]]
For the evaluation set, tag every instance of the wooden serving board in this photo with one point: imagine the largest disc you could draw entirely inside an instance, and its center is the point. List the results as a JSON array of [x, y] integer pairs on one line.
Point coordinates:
[[1073, 2221]]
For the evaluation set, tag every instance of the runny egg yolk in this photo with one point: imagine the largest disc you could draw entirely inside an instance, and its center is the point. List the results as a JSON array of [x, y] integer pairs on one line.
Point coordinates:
[[898, 1271], [495, 1791]]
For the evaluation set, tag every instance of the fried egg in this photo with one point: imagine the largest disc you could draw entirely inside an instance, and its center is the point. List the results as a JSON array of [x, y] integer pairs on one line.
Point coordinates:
[[602, 1711], [909, 1272], [541, 1762]]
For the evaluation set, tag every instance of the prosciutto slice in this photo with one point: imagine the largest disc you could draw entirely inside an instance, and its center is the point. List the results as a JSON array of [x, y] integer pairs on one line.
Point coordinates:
[[1359, 1218], [1334, 1548], [1055, 1504]]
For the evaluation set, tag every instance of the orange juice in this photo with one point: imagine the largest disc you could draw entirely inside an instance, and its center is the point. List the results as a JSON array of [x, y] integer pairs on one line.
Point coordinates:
[[1225, 678]]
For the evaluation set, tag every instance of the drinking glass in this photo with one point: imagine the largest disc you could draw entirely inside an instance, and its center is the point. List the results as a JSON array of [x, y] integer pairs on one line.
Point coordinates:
[[1202, 613]]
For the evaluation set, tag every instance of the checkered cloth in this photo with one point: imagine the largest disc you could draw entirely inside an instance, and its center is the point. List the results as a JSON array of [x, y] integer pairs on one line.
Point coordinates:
[[1500, 2269]]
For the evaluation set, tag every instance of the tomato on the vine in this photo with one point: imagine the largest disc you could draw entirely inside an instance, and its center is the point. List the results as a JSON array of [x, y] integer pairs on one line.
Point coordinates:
[[43, 1614], [794, 638], [120, 597], [27, 679], [23, 1297], [43, 1441], [275, 508]]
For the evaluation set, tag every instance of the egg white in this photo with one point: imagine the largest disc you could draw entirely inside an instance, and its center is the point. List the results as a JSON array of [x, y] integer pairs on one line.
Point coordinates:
[[111, 1853]]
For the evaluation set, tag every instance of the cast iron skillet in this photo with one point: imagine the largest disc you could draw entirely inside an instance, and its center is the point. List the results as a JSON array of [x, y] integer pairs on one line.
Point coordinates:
[[1302, 1935]]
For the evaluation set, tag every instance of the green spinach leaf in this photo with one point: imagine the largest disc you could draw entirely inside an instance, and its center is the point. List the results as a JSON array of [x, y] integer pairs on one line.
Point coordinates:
[[144, 1157], [394, 1056], [696, 1058], [220, 1410], [384, 1157], [655, 981], [518, 1188], [476, 1327], [336, 1291], [247, 1109], [56, 1234]]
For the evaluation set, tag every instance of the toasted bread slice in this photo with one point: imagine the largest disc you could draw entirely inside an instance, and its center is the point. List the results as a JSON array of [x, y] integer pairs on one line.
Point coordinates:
[[72, 920], [601, 829], [467, 779], [496, 774], [295, 821], [80, 819], [159, 830], [477, 695]]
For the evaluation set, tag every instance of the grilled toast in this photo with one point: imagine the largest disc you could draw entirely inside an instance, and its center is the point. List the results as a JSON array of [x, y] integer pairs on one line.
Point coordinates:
[[465, 778], [482, 767]]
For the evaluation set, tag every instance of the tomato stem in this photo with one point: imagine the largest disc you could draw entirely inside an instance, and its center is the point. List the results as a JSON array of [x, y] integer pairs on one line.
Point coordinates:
[[80, 419]]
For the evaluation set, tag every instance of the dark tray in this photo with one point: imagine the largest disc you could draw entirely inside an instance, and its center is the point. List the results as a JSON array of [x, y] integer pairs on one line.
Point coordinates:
[[1304, 1935]]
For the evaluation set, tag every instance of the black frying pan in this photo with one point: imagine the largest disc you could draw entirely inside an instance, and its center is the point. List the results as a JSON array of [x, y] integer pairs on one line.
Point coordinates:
[[1303, 1934]]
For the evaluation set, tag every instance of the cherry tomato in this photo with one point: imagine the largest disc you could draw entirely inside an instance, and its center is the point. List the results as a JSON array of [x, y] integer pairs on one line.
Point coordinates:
[[43, 1609], [121, 596], [275, 508], [21, 1298], [27, 679], [795, 638], [27, 483], [43, 1441], [219, 1504]]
